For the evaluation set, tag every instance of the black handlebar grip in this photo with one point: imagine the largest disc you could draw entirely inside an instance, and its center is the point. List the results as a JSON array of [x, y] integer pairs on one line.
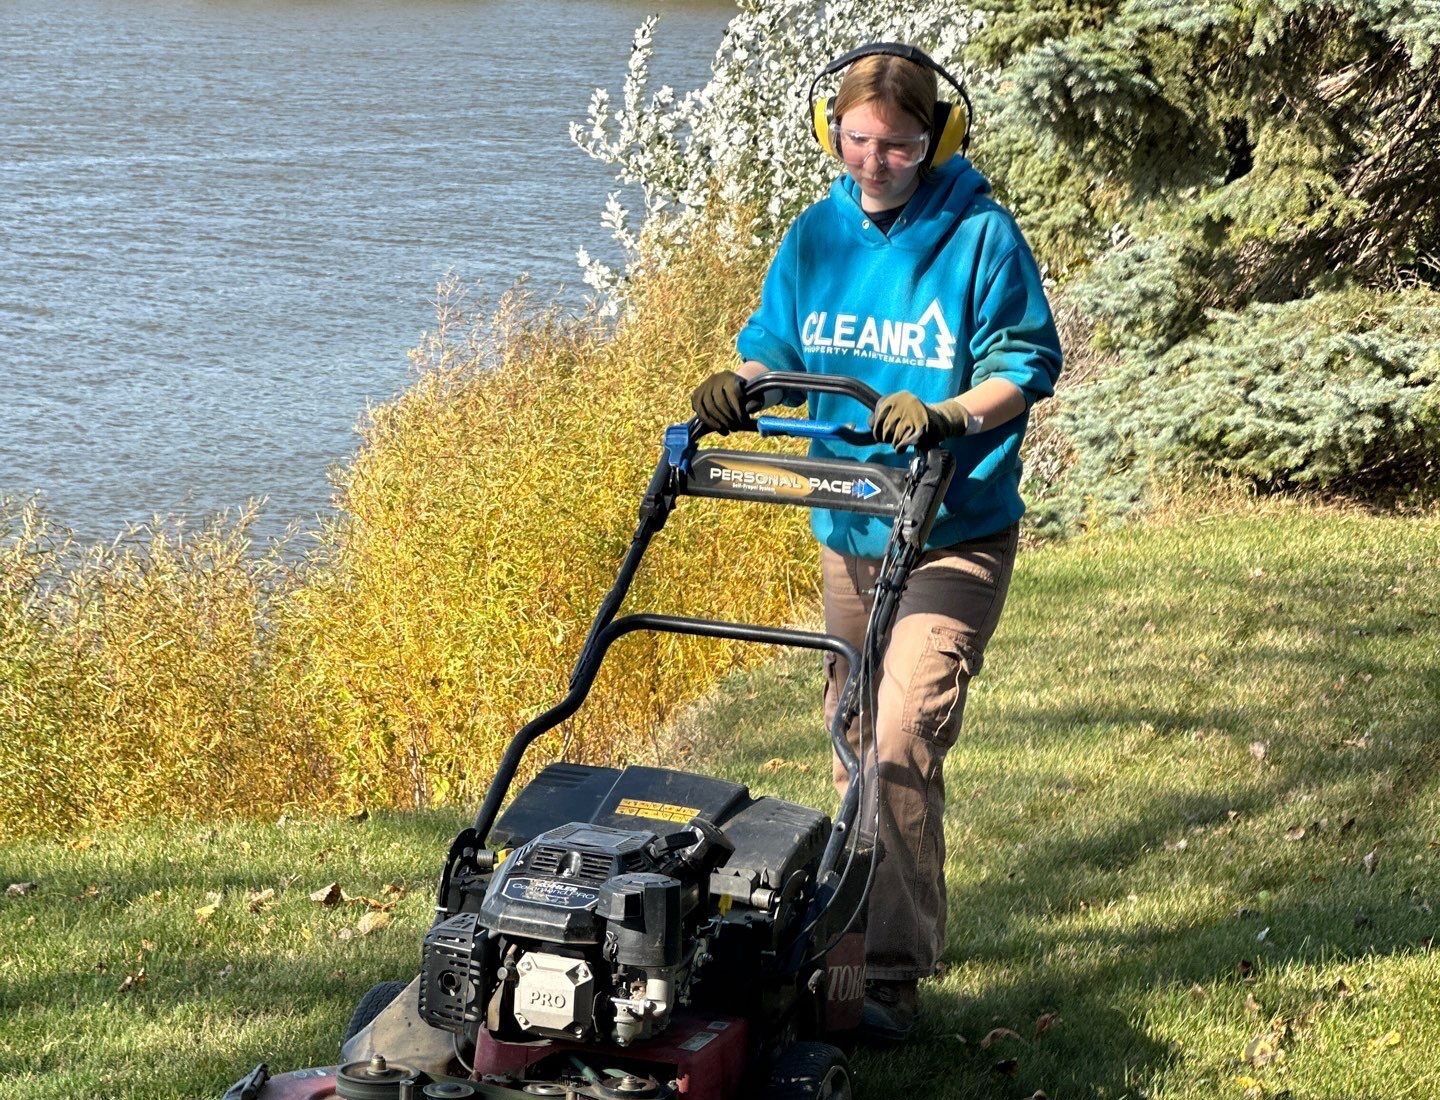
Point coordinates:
[[813, 383]]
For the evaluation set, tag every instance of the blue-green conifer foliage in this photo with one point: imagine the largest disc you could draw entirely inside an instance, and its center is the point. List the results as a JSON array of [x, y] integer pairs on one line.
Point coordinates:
[[1243, 201]]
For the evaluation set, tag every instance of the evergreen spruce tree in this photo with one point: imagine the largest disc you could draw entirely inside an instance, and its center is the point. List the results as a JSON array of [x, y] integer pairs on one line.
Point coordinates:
[[1246, 201]]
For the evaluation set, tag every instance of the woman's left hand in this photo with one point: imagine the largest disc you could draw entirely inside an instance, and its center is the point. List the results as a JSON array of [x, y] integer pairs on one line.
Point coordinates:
[[903, 420]]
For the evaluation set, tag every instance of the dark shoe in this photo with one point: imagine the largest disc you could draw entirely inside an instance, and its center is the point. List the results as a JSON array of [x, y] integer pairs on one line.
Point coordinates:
[[892, 1009]]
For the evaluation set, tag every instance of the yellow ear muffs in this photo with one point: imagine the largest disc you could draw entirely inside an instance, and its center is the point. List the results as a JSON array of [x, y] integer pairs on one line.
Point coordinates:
[[950, 127], [947, 132], [820, 125]]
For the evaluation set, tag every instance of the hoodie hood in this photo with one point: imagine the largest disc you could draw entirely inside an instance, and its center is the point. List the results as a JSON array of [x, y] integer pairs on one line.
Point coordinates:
[[944, 194]]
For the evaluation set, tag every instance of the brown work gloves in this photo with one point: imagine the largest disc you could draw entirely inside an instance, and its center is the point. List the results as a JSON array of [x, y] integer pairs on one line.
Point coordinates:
[[903, 420], [719, 402]]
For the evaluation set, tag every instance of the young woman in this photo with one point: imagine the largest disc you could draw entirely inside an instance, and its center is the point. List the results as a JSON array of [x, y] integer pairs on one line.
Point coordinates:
[[910, 277]]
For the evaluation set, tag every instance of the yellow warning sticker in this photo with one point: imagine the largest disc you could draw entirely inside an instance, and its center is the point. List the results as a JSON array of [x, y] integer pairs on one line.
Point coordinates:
[[657, 811]]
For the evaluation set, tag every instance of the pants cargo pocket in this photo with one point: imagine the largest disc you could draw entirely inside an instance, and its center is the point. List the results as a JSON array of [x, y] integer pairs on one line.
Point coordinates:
[[935, 700]]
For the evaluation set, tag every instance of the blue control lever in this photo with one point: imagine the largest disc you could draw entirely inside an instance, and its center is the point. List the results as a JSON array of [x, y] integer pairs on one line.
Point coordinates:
[[812, 429]]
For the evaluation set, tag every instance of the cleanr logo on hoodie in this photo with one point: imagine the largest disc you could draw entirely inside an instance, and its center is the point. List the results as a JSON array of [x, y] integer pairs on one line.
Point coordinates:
[[888, 340]]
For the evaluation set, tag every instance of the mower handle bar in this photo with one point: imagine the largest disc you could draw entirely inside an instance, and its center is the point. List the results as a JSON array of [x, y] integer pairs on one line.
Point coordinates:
[[670, 624], [806, 382], [813, 383]]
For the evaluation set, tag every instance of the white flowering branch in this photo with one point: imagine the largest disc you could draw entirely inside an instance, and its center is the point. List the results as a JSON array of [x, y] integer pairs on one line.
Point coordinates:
[[743, 139]]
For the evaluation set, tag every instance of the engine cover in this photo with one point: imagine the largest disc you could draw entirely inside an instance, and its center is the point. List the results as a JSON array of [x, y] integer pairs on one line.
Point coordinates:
[[586, 931], [548, 889]]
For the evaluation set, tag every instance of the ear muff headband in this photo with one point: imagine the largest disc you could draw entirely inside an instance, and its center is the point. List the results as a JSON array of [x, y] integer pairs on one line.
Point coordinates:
[[949, 129]]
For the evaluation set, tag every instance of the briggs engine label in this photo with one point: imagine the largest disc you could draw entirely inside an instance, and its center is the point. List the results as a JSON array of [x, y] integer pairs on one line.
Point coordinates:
[[557, 895]]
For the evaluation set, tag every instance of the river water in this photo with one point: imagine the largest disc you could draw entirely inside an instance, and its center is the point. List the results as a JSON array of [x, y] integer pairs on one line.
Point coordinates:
[[222, 223]]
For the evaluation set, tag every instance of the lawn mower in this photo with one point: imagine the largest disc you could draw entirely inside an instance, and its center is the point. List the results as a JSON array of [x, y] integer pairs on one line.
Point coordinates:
[[646, 933]]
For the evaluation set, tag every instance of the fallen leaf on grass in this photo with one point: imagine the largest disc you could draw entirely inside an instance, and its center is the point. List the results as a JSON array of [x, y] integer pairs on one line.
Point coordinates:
[[1295, 832], [1259, 749], [996, 1035], [90, 893], [1177, 845], [1007, 1067], [257, 901], [19, 889], [131, 981], [1371, 861], [206, 911], [774, 764], [393, 890], [1251, 1086], [1252, 1006], [372, 921], [328, 895], [1261, 1051], [1386, 1041], [345, 934], [1262, 935], [1045, 1022]]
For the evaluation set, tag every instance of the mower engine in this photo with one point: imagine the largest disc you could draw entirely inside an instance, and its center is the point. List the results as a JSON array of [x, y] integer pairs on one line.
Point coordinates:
[[587, 933]]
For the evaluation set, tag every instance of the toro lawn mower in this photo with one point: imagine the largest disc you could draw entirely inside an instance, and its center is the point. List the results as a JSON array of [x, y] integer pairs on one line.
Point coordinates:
[[646, 933]]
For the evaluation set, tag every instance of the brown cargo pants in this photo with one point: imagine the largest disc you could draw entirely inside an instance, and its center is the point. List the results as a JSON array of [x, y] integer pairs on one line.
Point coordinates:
[[946, 616]]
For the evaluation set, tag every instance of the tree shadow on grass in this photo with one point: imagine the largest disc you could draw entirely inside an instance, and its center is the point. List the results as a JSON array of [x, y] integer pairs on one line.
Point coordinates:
[[1050, 927]]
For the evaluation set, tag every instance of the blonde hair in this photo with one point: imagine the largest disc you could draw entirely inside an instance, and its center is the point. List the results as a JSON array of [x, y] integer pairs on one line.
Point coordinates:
[[893, 81]]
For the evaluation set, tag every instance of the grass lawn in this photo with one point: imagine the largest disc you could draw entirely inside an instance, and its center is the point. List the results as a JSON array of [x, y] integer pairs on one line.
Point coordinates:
[[1194, 851]]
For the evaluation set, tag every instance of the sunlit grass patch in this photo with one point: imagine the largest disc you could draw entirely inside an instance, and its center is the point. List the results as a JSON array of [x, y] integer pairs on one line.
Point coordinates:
[[1189, 862], [1194, 811], [150, 961]]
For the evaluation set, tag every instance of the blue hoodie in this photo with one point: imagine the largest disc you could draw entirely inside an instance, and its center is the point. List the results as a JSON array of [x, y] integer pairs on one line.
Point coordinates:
[[950, 298]]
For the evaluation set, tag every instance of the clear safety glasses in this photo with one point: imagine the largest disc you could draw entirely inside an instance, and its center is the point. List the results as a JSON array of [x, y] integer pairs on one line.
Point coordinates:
[[892, 150]]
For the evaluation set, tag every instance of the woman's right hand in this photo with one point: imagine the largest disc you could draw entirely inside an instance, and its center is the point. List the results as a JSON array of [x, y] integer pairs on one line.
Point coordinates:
[[719, 402]]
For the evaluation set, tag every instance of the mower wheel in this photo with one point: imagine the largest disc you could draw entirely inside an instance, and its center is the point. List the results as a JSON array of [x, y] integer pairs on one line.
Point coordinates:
[[809, 1071], [377, 998]]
